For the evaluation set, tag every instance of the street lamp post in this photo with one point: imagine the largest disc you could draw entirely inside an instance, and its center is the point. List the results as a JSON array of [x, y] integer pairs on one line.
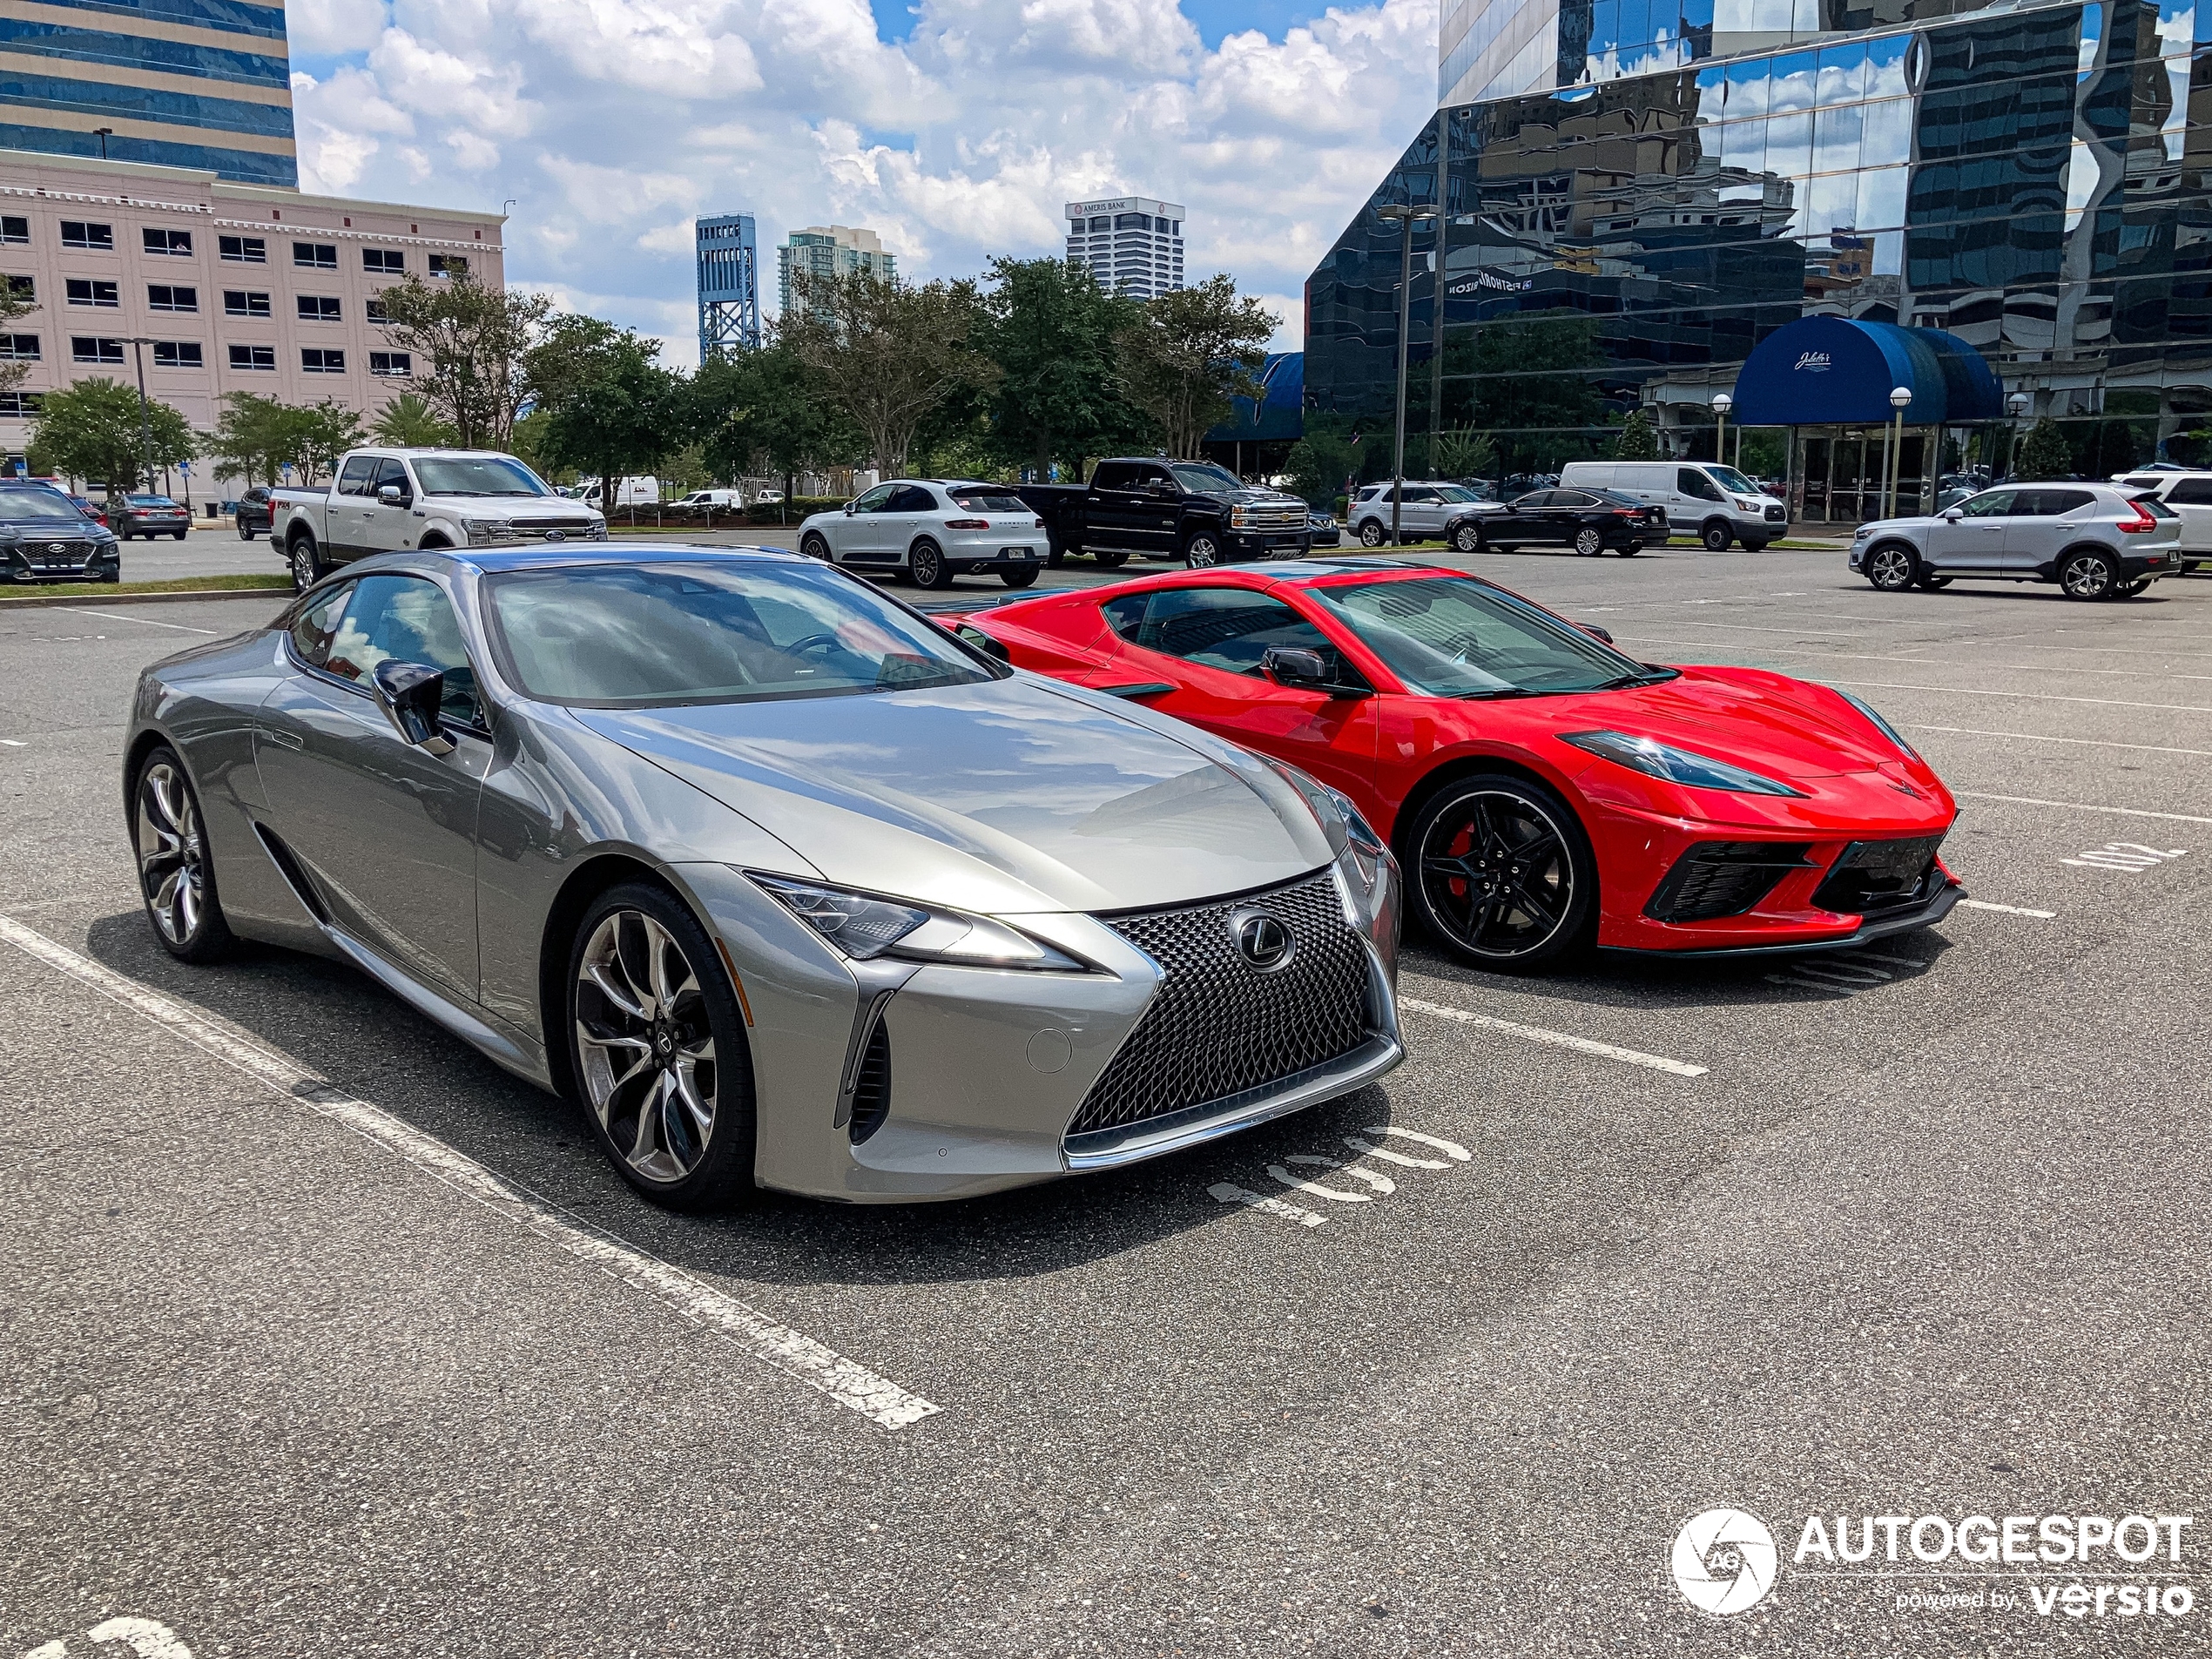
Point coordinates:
[[1404, 218], [138, 344], [1900, 397], [2016, 406], [1722, 404]]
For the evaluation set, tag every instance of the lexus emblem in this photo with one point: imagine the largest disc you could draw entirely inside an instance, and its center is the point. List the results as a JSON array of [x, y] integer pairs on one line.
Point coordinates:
[[1262, 940]]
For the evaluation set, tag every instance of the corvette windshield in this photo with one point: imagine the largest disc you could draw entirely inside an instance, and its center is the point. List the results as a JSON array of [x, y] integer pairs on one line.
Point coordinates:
[[1448, 637], [647, 636]]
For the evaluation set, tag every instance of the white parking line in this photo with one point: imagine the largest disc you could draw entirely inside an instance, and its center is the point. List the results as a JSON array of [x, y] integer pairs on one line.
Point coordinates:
[[1556, 1039], [801, 1356], [2007, 909], [118, 616], [2081, 806], [2037, 737]]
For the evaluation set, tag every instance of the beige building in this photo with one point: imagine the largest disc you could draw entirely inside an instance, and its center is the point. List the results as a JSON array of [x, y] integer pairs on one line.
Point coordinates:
[[235, 287]]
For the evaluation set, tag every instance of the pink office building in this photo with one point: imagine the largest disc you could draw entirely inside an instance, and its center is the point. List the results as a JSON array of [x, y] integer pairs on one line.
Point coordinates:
[[231, 288]]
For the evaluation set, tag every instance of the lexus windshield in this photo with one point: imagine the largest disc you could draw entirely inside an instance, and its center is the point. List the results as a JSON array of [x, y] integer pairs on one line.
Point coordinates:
[[1450, 637], [655, 636], [476, 475]]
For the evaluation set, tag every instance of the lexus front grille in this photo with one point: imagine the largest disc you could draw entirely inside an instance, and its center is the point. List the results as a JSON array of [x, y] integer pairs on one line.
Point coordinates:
[[1218, 1026]]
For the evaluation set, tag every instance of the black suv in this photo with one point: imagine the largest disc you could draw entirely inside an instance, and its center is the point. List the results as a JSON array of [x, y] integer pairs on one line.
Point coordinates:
[[44, 538], [253, 513]]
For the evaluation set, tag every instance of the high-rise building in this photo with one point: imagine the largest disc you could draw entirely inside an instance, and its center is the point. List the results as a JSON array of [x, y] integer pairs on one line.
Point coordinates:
[[729, 285], [205, 84], [830, 250], [1131, 243], [1635, 200]]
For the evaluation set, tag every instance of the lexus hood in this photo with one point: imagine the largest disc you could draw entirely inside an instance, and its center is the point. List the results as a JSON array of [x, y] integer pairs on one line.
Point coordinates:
[[1017, 795]]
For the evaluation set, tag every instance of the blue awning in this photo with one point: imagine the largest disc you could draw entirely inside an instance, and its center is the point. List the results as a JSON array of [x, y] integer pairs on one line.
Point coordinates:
[[1830, 371]]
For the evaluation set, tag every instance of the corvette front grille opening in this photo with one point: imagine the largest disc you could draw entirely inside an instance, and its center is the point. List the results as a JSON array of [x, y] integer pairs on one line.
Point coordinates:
[[1722, 879], [1218, 1026], [1876, 878]]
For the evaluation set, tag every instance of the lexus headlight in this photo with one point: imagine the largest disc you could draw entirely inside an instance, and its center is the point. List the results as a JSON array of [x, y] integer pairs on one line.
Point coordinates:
[[1881, 725], [1324, 801], [864, 926], [1657, 759]]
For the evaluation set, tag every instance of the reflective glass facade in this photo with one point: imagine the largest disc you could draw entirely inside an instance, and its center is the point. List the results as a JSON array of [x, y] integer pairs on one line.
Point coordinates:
[[199, 84], [2032, 181]]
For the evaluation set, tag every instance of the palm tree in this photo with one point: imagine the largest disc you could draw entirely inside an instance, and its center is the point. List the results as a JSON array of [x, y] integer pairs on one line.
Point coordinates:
[[409, 423]]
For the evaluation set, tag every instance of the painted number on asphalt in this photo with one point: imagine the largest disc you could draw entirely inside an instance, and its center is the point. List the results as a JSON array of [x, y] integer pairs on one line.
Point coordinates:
[[2131, 856], [143, 1636], [1323, 1176]]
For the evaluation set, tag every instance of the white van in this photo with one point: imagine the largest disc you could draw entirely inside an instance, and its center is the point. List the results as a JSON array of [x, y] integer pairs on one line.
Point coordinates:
[[2189, 494], [1716, 504], [729, 498], [629, 492]]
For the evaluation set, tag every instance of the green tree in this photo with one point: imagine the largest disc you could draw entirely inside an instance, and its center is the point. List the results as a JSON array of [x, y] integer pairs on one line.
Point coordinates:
[[763, 411], [1637, 440], [610, 409], [1533, 391], [474, 339], [409, 423], [92, 429], [889, 354], [1050, 328], [1318, 464], [1461, 452], [1188, 352], [321, 433], [2045, 454], [14, 303], [253, 439]]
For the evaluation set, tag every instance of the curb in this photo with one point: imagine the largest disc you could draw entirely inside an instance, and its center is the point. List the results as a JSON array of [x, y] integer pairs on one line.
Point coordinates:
[[40, 601]]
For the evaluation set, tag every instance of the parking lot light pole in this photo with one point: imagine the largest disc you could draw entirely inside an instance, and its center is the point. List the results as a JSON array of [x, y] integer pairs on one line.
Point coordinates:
[[138, 343], [2017, 405], [1722, 404], [1900, 397], [1405, 219]]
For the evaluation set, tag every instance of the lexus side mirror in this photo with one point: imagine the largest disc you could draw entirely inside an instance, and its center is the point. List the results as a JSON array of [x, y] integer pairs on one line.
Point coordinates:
[[1952, 515], [1594, 631], [391, 495], [411, 693]]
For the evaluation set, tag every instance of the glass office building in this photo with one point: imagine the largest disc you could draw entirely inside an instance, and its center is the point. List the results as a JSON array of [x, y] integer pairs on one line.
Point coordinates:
[[199, 84], [1638, 191]]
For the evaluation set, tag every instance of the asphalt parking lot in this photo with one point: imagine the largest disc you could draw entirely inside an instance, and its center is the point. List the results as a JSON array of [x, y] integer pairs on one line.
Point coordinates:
[[329, 1338]]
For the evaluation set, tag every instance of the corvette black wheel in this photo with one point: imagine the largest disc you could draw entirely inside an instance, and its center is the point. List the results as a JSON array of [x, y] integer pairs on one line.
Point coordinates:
[[1505, 879]]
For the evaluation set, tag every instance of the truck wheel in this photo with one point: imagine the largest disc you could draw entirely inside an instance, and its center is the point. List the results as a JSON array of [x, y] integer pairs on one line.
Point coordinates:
[[1202, 551], [1372, 533], [307, 565], [244, 533], [1715, 535], [1113, 561], [1054, 555], [926, 561]]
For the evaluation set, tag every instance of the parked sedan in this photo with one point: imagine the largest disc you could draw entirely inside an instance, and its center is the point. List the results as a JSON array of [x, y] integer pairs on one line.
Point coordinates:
[[780, 883], [253, 514], [1326, 530], [1588, 520], [1543, 790], [932, 530], [90, 508], [44, 538], [150, 516], [2095, 541]]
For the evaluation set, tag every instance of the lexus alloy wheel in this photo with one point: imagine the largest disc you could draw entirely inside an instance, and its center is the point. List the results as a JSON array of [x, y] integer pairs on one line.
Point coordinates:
[[176, 876], [645, 1047]]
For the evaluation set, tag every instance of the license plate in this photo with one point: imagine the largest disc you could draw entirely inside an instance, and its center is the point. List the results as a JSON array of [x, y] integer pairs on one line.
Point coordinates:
[[1015, 553]]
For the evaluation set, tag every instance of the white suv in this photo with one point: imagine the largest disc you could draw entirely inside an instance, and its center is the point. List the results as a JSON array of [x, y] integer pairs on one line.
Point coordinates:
[[2189, 494], [932, 530], [2095, 541], [1425, 509]]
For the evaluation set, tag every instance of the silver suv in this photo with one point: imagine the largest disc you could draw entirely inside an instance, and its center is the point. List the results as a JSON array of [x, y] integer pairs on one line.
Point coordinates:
[[2095, 541]]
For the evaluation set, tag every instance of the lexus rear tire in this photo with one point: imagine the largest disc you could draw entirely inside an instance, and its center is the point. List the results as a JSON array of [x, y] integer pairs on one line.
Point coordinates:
[[1502, 874], [176, 869]]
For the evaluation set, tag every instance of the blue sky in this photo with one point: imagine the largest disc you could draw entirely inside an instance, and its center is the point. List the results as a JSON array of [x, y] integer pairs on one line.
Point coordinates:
[[895, 19]]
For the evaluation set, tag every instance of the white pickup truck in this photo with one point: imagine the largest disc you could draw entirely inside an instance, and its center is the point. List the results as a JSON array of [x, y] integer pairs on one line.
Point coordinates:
[[382, 501]]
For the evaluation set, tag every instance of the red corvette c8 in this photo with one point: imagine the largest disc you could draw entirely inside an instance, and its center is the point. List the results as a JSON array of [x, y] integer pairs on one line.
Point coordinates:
[[1543, 790]]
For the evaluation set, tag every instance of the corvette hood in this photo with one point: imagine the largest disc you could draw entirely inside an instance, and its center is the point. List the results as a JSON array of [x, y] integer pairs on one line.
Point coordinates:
[[1783, 728], [1008, 796]]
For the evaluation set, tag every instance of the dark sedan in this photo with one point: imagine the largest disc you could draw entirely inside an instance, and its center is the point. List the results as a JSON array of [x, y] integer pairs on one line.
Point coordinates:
[[1588, 520], [90, 508], [150, 516], [44, 538], [253, 513]]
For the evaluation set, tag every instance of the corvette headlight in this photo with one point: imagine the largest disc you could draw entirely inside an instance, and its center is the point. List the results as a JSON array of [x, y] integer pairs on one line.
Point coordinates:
[[1657, 759], [1881, 725], [864, 926]]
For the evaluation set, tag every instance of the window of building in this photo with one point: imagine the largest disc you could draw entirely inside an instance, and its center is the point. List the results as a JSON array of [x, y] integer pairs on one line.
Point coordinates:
[[178, 353], [160, 241], [242, 302], [84, 348], [85, 291], [78, 234], [386, 262], [317, 360], [315, 256], [242, 250], [449, 264], [23, 288], [21, 403], [398, 364], [19, 349], [318, 307], [262, 357], [373, 309], [14, 228], [165, 296]]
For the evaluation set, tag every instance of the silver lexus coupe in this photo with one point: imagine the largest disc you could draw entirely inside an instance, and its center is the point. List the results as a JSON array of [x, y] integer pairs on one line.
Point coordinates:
[[780, 881]]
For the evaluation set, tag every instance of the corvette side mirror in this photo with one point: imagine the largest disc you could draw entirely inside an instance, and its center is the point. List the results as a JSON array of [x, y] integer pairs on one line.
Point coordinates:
[[1294, 666], [1594, 631], [411, 693]]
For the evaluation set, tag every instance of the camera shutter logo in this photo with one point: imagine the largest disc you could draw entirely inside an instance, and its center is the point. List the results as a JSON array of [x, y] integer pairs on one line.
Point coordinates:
[[1724, 1561]]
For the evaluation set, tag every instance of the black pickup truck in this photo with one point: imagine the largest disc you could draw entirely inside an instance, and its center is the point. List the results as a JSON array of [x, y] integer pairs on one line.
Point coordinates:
[[1168, 509]]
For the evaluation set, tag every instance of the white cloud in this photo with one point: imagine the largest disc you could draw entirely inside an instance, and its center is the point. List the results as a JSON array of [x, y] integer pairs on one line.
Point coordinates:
[[613, 121]]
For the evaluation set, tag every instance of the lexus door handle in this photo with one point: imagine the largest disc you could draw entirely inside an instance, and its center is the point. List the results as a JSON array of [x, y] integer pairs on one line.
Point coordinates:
[[282, 739]]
